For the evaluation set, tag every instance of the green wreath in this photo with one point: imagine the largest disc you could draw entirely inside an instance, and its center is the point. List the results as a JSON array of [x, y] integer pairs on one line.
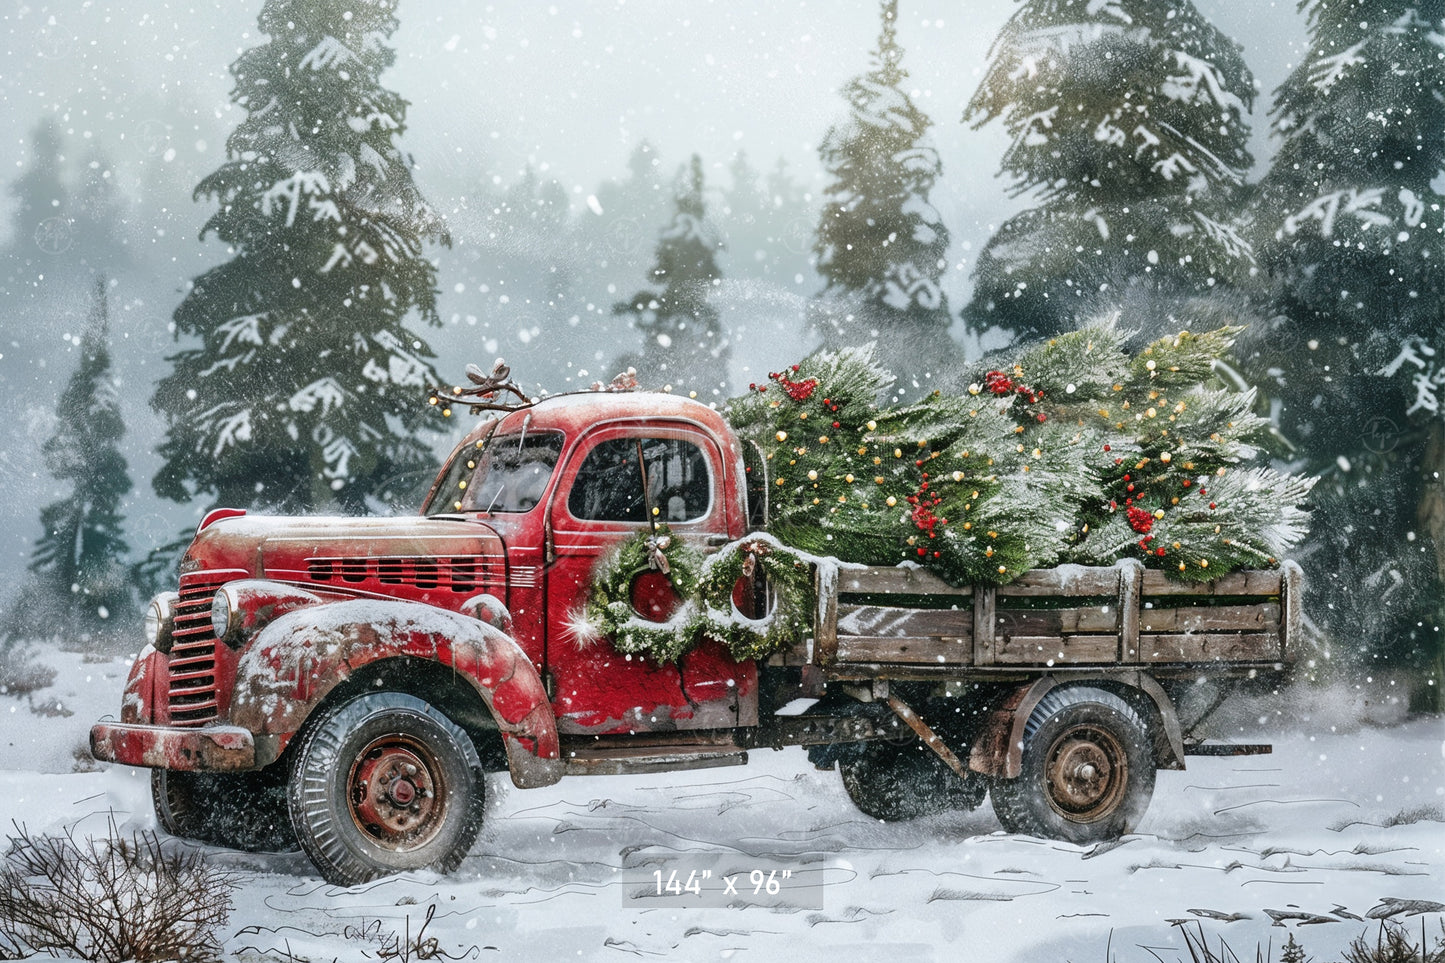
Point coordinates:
[[789, 576], [705, 587], [609, 612]]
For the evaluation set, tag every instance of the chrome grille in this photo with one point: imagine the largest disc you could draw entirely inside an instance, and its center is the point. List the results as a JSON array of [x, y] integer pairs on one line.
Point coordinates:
[[193, 651]]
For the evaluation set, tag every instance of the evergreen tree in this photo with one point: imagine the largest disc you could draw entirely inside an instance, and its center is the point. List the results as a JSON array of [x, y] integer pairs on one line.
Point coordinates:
[[1349, 224], [766, 224], [881, 246], [40, 224], [306, 382], [615, 242], [1128, 121], [79, 582], [683, 340], [99, 218]]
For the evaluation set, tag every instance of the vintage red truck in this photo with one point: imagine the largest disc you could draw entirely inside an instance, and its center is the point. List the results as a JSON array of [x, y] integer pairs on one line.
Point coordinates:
[[345, 683]]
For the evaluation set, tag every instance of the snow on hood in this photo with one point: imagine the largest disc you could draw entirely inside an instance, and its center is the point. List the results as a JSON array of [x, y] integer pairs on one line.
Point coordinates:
[[286, 540]]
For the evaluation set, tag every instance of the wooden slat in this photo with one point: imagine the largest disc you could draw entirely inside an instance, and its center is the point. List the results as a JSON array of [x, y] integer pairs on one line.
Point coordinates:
[[1207, 647], [825, 625], [983, 625], [1086, 619], [910, 650], [1292, 597], [1131, 576], [1068, 650], [1248, 582], [1065, 580], [905, 581], [883, 621], [1211, 618]]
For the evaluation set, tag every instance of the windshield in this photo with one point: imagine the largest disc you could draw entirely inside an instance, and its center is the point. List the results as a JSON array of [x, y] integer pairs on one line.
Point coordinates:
[[500, 473]]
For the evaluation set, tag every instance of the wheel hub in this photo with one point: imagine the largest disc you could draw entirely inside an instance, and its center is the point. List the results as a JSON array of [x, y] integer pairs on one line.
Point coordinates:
[[394, 794], [1087, 773]]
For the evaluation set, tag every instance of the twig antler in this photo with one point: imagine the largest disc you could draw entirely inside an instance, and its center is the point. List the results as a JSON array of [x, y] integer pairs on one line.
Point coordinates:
[[482, 396]]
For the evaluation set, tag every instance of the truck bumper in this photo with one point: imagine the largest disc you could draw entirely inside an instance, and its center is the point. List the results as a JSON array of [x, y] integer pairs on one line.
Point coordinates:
[[212, 748]]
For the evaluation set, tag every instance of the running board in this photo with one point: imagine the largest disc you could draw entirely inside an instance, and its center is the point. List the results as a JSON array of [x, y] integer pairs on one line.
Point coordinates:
[[1227, 749], [644, 759]]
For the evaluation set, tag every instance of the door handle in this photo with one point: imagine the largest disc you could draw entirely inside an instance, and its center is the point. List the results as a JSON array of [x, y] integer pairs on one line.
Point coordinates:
[[717, 540]]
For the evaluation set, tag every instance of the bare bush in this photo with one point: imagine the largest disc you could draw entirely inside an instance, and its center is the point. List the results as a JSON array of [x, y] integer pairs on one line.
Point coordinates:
[[20, 674], [1392, 944], [109, 899]]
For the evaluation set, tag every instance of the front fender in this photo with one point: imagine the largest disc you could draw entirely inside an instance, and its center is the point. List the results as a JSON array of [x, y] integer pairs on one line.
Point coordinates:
[[137, 704], [296, 661]]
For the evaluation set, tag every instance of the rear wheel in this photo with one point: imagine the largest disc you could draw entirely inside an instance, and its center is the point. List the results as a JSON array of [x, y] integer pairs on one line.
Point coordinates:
[[892, 782], [242, 810], [383, 784], [1088, 771]]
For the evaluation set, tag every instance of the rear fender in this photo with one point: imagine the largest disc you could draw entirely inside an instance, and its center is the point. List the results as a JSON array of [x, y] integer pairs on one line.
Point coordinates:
[[292, 664], [999, 749]]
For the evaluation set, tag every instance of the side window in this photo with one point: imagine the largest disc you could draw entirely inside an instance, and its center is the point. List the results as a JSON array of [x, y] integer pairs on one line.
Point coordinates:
[[609, 483]]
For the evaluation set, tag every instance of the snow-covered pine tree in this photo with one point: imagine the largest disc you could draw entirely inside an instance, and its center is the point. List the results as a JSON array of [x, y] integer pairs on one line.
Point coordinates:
[[79, 582], [1348, 213], [1350, 223], [766, 225], [99, 217], [683, 342], [40, 223], [307, 378], [881, 245], [1128, 121]]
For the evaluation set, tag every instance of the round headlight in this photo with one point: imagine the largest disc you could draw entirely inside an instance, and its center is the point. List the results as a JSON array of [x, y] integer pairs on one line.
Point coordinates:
[[221, 612], [160, 620]]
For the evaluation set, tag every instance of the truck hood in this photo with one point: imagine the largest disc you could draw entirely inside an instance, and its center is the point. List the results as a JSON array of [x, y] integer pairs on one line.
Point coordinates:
[[299, 548]]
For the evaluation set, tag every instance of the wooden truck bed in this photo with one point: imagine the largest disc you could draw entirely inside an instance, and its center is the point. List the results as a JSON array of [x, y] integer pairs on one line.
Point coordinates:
[[1072, 616]]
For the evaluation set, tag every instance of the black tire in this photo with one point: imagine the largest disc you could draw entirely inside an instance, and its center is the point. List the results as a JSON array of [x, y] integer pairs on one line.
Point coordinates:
[[1088, 770], [383, 784], [892, 782], [242, 810]]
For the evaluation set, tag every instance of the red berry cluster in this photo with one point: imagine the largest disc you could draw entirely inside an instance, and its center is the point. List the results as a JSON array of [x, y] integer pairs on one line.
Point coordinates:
[[1000, 384], [1140, 520], [924, 502], [797, 390]]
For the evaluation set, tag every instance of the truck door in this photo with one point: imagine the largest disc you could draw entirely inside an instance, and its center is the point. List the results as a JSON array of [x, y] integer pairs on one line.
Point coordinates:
[[600, 501]]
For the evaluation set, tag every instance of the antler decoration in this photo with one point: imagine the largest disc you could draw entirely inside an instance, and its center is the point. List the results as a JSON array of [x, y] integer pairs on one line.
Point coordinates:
[[482, 396]]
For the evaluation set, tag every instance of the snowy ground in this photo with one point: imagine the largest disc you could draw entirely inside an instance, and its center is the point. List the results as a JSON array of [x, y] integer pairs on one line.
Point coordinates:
[[1329, 827]]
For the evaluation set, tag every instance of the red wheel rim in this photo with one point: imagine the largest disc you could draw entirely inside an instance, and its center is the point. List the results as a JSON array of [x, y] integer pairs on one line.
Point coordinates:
[[396, 792]]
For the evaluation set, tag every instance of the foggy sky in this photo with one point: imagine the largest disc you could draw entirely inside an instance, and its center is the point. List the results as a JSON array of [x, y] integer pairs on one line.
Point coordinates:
[[569, 88]]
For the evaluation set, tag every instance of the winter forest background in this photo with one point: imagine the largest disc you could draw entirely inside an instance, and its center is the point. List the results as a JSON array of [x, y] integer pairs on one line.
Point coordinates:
[[233, 287]]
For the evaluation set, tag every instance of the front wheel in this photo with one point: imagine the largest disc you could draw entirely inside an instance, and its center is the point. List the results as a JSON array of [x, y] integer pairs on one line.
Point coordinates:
[[241, 810], [1088, 770], [384, 784]]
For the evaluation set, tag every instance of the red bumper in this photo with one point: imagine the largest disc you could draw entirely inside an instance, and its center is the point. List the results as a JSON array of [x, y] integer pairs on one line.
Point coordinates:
[[214, 748]]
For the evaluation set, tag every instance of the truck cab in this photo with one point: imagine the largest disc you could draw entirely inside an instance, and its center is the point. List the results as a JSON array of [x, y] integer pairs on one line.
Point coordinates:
[[469, 610]]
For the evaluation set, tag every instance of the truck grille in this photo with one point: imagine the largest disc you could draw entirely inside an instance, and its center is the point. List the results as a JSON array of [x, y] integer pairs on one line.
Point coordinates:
[[193, 653]]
